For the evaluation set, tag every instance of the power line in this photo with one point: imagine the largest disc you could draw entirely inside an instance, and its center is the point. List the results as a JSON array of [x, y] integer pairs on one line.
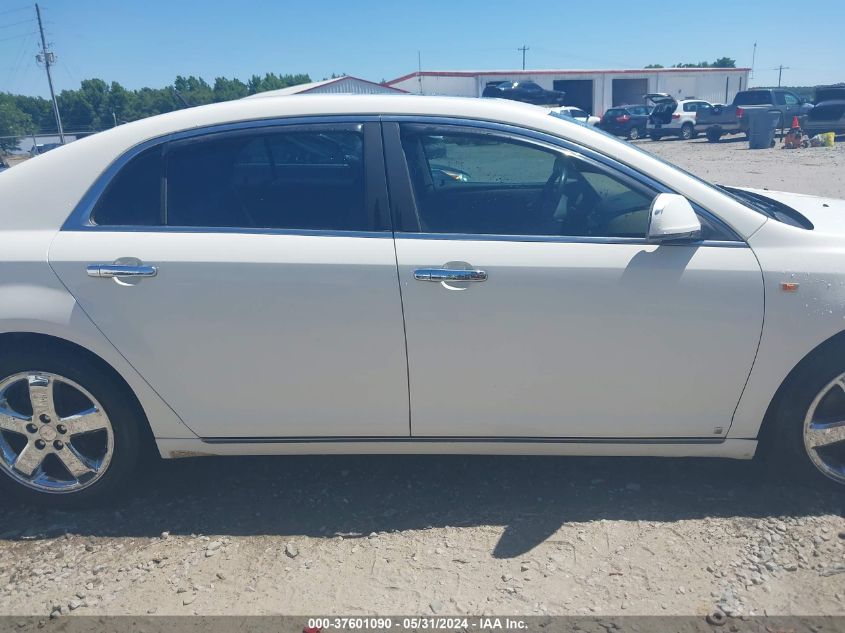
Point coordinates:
[[16, 37], [11, 24]]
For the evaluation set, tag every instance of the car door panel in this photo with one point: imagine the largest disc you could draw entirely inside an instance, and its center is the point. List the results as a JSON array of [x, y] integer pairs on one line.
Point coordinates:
[[579, 339]]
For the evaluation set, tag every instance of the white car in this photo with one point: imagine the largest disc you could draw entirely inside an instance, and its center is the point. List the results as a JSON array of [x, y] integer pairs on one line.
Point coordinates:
[[574, 113], [670, 117], [289, 276]]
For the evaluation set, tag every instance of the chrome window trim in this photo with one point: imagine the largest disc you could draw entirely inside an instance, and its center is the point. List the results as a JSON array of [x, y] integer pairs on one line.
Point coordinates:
[[233, 230], [80, 218], [563, 239], [556, 142]]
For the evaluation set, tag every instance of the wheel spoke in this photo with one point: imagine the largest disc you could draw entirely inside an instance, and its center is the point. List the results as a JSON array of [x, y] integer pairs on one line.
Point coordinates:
[[87, 421], [28, 460], [11, 421], [821, 434], [41, 396], [73, 461]]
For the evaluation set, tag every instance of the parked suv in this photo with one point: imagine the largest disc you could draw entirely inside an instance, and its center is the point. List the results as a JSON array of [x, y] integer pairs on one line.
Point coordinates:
[[525, 91], [629, 121], [828, 115], [673, 118]]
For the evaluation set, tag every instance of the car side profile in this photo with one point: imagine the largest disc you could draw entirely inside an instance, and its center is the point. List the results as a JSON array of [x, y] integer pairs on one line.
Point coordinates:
[[401, 274], [630, 121], [575, 113], [671, 117]]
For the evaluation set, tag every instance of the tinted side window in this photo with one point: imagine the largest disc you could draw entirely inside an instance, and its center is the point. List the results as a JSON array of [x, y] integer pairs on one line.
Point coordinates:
[[270, 179], [790, 99], [481, 184], [133, 198]]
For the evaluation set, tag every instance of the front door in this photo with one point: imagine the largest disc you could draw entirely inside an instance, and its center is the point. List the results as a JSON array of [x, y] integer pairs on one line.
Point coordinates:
[[535, 308], [271, 308]]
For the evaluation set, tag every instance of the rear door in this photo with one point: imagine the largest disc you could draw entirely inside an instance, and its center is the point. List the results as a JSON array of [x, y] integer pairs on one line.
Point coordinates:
[[265, 303]]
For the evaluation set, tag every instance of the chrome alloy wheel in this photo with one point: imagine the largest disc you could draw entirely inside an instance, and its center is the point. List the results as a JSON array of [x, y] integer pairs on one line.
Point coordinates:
[[54, 435], [824, 430]]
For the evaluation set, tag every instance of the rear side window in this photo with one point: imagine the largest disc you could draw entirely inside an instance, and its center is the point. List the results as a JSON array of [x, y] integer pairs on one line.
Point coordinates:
[[614, 112], [280, 180], [133, 198], [311, 179], [753, 97]]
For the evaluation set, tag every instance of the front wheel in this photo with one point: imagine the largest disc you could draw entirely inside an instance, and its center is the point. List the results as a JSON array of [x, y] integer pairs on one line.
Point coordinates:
[[69, 435], [808, 437], [687, 131], [634, 133]]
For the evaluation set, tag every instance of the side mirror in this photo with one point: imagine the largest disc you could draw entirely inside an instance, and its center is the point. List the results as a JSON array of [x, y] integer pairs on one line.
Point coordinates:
[[672, 217]]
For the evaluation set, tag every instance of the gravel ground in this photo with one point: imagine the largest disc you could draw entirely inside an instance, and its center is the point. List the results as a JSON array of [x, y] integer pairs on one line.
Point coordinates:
[[815, 171], [452, 535]]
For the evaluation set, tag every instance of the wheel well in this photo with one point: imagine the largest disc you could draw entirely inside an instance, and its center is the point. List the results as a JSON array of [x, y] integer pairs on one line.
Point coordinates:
[[833, 346], [47, 343]]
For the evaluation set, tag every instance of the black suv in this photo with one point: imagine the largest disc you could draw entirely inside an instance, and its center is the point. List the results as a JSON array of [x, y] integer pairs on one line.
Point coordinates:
[[525, 91], [629, 121]]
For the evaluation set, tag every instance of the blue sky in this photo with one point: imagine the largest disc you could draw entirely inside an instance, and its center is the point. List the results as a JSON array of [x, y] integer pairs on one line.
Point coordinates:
[[148, 43]]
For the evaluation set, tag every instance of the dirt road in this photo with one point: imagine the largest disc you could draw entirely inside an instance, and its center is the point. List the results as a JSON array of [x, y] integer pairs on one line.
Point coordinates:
[[452, 535]]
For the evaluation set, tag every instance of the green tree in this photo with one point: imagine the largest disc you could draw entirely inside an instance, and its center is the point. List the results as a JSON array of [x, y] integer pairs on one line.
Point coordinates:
[[13, 122], [654, 66]]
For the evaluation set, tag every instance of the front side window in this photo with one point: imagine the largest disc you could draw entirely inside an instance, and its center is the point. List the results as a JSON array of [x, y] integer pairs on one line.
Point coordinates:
[[310, 179], [790, 99], [476, 183]]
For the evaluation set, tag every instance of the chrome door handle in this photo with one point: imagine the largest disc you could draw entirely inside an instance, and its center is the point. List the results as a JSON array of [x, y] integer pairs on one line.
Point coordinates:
[[449, 274], [117, 270]]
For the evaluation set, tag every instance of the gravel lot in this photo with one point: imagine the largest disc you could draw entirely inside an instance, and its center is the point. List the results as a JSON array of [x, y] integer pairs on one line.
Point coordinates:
[[451, 535]]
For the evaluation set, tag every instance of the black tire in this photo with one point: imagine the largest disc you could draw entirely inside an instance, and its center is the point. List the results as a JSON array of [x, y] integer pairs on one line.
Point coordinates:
[[634, 133], [782, 445], [687, 132], [713, 135], [654, 136], [125, 415]]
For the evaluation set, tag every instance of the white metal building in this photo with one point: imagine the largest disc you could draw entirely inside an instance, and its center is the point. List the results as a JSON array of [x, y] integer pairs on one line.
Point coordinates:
[[336, 85], [591, 90]]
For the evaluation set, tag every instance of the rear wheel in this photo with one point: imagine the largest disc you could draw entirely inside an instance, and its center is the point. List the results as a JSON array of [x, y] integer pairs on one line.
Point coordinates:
[[713, 135], [68, 432], [634, 133], [654, 136], [687, 131], [809, 425]]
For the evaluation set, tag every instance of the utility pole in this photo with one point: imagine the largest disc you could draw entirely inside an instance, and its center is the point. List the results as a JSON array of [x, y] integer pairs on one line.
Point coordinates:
[[419, 70], [753, 59], [780, 70], [49, 59], [523, 48]]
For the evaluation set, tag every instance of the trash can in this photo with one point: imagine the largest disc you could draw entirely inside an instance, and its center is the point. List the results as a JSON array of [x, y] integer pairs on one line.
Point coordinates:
[[761, 128]]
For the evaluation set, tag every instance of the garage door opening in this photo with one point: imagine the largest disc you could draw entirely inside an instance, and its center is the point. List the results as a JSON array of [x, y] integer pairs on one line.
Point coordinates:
[[629, 91], [579, 92]]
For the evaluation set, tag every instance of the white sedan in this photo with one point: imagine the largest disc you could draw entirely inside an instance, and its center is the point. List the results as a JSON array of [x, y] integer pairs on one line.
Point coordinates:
[[401, 274], [575, 113]]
